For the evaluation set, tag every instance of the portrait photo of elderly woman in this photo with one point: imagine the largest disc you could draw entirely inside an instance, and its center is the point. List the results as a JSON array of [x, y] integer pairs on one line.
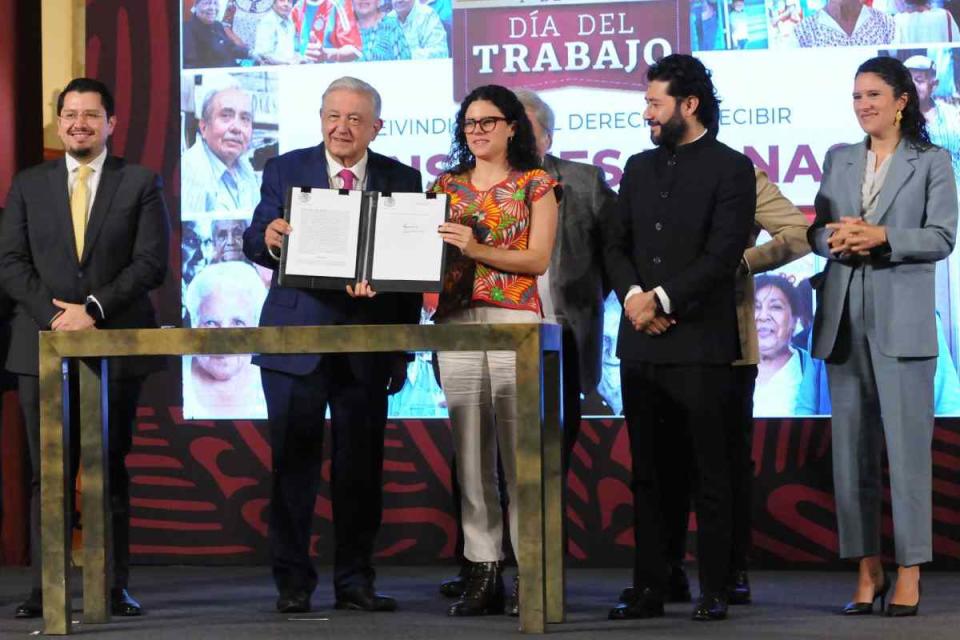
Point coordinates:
[[787, 376]]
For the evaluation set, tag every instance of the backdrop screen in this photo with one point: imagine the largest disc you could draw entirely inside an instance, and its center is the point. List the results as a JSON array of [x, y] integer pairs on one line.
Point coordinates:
[[253, 71]]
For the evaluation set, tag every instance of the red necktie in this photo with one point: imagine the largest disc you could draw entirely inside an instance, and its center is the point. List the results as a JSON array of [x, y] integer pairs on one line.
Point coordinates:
[[347, 176]]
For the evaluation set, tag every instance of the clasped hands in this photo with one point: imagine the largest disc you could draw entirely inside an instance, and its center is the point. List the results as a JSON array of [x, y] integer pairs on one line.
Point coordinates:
[[72, 317], [855, 237], [642, 312]]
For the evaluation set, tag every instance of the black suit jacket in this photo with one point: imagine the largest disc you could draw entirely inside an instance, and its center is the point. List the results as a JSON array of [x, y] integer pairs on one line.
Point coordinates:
[[288, 306], [682, 222], [576, 266], [125, 255]]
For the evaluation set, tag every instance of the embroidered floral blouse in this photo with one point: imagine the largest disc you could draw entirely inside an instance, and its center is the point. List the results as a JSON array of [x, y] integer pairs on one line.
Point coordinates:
[[500, 217]]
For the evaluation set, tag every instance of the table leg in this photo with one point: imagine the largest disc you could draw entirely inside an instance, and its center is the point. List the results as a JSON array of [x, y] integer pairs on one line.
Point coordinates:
[[95, 494], [530, 486], [55, 494], [553, 502]]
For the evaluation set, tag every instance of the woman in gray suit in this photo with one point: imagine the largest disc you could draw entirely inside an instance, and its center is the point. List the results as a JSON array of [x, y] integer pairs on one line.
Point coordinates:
[[886, 213]]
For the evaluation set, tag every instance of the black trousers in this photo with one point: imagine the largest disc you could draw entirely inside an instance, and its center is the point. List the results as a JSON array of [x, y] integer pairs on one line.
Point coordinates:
[[296, 406], [122, 413], [679, 437], [741, 480], [571, 395]]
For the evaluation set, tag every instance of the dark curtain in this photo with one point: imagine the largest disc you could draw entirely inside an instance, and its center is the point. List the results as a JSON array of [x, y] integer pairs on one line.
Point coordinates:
[[21, 145]]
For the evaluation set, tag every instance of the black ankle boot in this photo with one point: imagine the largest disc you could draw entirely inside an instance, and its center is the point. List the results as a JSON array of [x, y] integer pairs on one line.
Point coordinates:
[[513, 606], [483, 593], [453, 587]]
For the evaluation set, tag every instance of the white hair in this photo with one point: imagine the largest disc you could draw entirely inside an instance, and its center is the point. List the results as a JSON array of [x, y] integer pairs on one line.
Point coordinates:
[[234, 278], [540, 109], [349, 83], [215, 84]]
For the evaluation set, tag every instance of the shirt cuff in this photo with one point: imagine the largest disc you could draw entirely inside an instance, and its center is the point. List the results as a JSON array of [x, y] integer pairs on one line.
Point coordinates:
[[273, 255], [664, 299], [746, 265], [631, 291]]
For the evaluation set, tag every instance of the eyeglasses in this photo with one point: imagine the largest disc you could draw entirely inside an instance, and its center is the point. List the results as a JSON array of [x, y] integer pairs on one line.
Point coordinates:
[[486, 125], [88, 116]]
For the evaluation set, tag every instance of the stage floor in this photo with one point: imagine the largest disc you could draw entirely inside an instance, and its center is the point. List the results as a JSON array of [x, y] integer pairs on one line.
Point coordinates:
[[236, 603]]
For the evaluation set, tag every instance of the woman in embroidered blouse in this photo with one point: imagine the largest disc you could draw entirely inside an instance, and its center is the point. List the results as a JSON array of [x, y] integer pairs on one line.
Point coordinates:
[[503, 220]]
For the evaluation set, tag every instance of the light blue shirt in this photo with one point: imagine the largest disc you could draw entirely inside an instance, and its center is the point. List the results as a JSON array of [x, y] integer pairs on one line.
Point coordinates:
[[425, 33], [206, 184]]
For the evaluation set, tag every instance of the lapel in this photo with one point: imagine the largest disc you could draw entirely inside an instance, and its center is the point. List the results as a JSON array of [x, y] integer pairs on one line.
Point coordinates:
[[901, 168], [61, 205], [551, 166], [856, 166], [107, 187], [320, 178], [376, 176]]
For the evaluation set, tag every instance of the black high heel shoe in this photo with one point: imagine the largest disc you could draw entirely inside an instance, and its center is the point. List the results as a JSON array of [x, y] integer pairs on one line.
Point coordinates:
[[905, 610], [866, 608]]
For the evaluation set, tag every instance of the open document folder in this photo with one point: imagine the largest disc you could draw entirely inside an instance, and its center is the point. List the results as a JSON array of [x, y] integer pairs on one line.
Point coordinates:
[[342, 237]]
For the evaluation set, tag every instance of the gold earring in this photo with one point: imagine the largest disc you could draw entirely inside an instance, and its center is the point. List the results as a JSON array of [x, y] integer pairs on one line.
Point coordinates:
[[899, 117]]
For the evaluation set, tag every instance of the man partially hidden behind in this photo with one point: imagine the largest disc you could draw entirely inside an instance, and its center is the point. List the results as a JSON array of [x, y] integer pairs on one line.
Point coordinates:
[[82, 242], [684, 215], [299, 388]]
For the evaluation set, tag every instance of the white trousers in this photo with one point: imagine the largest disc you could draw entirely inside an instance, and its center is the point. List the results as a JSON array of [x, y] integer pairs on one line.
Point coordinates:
[[480, 387]]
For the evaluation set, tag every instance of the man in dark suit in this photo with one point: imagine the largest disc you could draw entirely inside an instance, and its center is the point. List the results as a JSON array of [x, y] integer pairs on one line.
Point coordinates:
[[684, 215], [572, 290], [299, 388], [7, 381], [83, 240]]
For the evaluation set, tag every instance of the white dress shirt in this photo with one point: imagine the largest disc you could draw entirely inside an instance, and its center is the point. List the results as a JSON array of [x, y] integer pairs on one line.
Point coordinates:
[[359, 171]]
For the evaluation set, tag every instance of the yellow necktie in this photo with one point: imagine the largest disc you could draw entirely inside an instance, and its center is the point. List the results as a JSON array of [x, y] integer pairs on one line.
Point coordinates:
[[79, 201]]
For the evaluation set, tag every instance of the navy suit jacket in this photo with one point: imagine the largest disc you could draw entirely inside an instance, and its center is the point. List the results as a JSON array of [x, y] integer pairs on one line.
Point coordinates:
[[288, 306]]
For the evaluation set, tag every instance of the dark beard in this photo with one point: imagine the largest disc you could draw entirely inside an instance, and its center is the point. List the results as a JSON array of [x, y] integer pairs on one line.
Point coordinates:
[[80, 153], [671, 131]]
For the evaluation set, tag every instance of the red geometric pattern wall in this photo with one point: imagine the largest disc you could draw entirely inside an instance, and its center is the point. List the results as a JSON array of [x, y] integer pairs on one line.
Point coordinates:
[[200, 489]]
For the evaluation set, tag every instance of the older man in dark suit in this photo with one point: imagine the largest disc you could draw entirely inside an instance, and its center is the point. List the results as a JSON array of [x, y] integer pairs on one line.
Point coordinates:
[[572, 289], [299, 388], [83, 241]]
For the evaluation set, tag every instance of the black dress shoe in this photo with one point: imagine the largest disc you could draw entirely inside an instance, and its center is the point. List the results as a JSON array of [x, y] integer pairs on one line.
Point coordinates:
[[453, 587], [294, 602], [32, 607], [709, 608], [866, 608], [738, 592], [904, 610], [123, 604], [483, 594], [364, 599], [513, 604], [678, 587], [644, 603]]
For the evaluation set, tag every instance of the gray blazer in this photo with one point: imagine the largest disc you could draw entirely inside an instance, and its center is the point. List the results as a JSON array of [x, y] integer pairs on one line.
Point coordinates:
[[918, 206], [576, 267]]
